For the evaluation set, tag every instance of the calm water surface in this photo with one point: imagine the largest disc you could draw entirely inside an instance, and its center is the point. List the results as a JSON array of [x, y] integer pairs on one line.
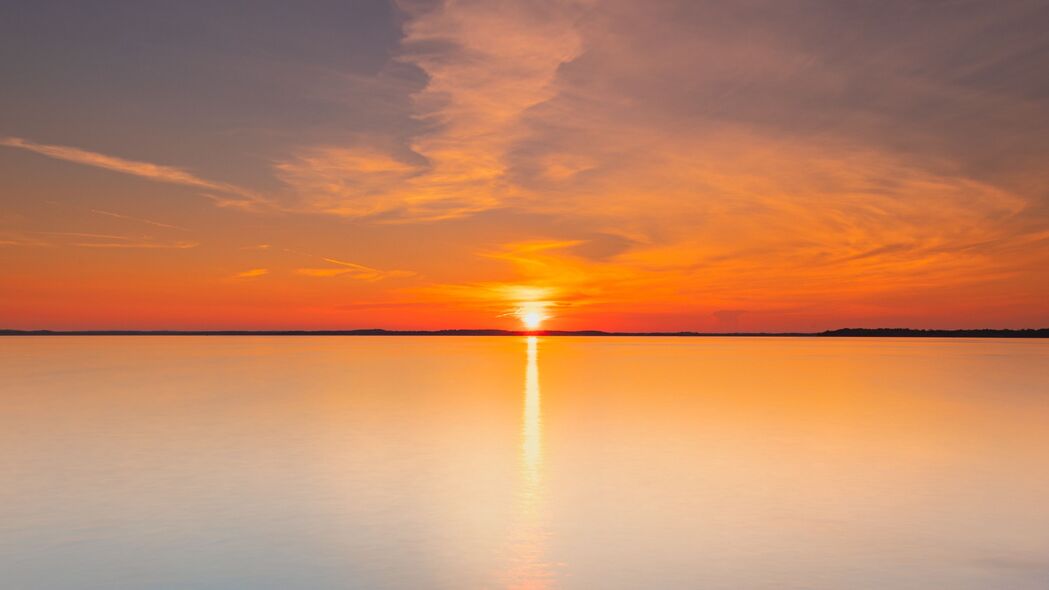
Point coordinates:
[[460, 462]]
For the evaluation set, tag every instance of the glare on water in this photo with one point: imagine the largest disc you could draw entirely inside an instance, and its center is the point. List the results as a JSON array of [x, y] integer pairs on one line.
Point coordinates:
[[529, 568]]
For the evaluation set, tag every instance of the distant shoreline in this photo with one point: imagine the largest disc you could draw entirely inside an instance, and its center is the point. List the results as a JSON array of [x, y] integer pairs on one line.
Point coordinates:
[[841, 333]]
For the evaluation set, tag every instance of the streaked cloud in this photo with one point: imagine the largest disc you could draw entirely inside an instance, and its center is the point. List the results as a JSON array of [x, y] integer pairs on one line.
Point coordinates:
[[155, 172], [137, 244], [487, 64], [138, 219], [90, 240], [351, 270], [347, 182]]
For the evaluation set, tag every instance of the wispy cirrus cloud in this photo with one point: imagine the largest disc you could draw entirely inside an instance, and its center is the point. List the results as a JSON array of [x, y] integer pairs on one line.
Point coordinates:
[[90, 240], [140, 244], [487, 64], [138, 219], [340, 268], [229, 194], [352, 270], [347, 181]]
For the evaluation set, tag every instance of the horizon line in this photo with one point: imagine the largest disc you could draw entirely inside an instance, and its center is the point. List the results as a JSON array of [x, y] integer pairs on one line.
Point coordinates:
[[839, 332]]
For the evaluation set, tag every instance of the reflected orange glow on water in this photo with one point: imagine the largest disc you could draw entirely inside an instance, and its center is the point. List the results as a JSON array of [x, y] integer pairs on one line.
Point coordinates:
[[406, 462]]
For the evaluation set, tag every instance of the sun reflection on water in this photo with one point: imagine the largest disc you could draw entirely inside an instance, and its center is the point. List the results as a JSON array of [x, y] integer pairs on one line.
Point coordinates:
[[532, 423], [528, 567]]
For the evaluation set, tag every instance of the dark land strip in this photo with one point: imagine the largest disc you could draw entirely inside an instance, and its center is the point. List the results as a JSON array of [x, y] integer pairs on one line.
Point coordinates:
[[844, 332]]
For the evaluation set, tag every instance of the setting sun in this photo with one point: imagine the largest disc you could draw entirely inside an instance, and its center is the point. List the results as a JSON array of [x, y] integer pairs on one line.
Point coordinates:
[[532, 313], [532, 319]]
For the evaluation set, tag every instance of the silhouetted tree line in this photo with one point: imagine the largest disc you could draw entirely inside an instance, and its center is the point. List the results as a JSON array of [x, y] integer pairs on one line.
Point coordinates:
[[910, 332]]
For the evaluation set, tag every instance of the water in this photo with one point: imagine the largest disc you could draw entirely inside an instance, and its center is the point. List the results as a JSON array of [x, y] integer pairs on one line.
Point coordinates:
[[460, 462]]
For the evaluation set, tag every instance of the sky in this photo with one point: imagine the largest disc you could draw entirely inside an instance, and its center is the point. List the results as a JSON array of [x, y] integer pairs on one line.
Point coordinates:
[[760, 165]]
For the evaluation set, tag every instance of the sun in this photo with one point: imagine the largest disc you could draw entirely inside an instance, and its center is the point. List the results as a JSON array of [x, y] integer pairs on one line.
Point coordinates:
[[532, 319], [531, 313]]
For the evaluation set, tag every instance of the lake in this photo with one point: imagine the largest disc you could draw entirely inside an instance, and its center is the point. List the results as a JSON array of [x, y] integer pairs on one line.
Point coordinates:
[[513, 462]]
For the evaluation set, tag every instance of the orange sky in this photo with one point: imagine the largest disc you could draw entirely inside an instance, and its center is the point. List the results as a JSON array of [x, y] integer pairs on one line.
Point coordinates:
[[608, 164]]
